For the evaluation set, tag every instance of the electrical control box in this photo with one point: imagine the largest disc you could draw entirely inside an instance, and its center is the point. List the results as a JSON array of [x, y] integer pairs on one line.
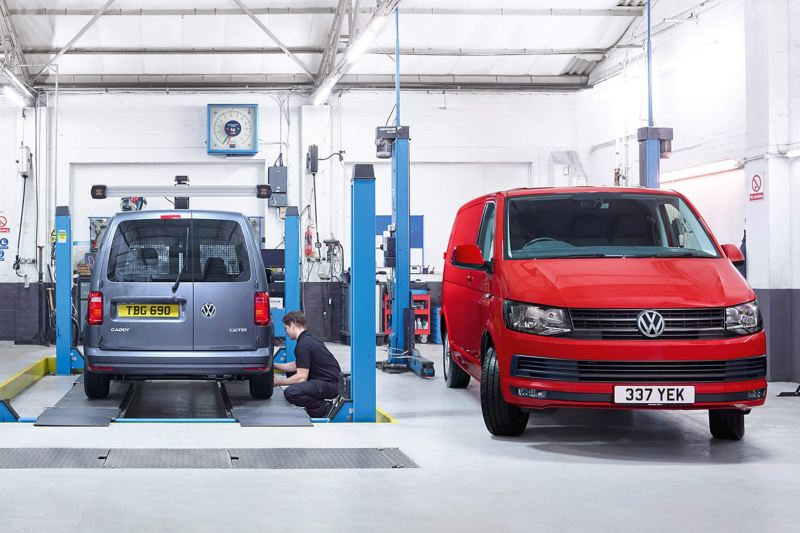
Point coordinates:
[[278, 200], [277, 179]]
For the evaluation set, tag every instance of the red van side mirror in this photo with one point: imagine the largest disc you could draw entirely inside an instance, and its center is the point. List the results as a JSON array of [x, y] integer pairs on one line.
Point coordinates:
[[734, 253], [468, 256]]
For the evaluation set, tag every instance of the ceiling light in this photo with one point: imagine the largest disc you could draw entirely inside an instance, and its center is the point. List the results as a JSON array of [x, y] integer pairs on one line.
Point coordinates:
[[725, 165], [324, 90], [793, 153], [364, 40], [23, 90], [14, 96]]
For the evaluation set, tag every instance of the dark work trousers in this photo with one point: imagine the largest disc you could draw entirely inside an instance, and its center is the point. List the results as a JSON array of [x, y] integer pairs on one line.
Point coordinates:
[[310, 394]]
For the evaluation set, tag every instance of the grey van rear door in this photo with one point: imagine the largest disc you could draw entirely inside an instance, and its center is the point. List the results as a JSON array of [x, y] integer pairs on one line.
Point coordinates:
[[225, 284], [145, 256]]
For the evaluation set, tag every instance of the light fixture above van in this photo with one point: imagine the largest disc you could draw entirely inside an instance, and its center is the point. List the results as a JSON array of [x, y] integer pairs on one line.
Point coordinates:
[[717, 167]]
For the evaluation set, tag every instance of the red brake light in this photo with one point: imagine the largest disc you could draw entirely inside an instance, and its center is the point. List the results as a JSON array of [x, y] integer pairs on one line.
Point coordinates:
[[261, 309], [95, 310], [170, 217]]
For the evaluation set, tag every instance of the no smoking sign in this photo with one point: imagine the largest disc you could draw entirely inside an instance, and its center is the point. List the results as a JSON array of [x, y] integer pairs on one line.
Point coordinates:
[[756, 188]]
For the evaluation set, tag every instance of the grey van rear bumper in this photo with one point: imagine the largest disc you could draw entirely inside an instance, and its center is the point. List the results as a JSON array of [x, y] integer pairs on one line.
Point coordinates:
[[188, 363]]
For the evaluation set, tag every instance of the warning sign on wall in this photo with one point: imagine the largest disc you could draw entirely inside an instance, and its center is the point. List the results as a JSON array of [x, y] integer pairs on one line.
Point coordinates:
[[756, 188], [4, 225]]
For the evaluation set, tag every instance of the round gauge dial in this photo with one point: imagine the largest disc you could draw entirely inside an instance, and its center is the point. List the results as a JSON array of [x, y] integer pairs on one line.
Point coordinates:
[[233, 129]]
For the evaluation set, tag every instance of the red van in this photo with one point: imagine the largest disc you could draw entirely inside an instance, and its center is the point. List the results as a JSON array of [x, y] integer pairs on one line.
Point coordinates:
[[596, 297]]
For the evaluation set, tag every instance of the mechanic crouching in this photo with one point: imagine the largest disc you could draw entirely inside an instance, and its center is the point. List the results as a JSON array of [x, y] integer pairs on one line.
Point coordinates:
[[313, 379]]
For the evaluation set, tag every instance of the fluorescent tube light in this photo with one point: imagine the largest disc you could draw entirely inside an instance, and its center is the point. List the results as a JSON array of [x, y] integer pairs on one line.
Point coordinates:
[[14, 96], [793, 153], [717, 167]]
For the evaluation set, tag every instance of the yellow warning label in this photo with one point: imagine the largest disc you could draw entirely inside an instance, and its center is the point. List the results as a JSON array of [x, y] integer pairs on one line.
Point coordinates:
[[62, 236]]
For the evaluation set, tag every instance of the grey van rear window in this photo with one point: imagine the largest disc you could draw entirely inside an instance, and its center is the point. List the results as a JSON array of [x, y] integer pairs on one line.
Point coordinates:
[[157, 250]]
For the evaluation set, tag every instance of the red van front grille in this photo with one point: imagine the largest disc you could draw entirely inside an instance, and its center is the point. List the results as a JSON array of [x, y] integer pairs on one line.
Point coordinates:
[[621, 323], [556, 369]]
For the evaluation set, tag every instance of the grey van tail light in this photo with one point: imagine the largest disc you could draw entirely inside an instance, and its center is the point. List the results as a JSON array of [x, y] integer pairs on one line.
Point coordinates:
[[535, 319], [743, 319]]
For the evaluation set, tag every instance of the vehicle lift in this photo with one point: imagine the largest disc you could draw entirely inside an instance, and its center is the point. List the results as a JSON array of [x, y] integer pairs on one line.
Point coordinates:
[[358, 405], [393, 142]]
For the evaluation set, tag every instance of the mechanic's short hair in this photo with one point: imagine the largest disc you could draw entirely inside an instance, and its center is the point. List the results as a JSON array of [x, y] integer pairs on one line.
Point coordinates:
[[298, 318]]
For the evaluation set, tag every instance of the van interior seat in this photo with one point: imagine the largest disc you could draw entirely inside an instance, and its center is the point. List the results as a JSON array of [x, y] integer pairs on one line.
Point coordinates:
[[631, 230], [148, 257], [590, 230], [215, 270]]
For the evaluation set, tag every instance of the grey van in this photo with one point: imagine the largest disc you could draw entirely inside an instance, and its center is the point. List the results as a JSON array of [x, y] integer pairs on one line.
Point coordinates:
[[178, 295]]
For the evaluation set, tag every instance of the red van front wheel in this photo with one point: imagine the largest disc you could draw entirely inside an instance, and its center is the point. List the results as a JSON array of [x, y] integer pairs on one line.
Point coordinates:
[[726, 424], [501, 418]]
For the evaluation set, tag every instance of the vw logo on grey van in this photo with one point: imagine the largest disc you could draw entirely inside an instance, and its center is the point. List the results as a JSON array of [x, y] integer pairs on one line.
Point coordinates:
[[208, 310], [650, 323]]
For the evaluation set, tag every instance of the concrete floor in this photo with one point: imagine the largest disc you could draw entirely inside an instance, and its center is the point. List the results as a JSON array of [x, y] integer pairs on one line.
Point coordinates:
[[571, 471]]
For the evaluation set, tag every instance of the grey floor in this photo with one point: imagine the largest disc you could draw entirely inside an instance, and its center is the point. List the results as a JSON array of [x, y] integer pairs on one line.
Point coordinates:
[[571, 471]]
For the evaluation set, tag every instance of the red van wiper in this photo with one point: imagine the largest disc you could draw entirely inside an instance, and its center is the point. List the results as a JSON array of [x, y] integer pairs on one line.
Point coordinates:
[[578, 256]]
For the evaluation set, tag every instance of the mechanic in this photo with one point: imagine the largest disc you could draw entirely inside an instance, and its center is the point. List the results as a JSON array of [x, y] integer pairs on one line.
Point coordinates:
[[313, 379]]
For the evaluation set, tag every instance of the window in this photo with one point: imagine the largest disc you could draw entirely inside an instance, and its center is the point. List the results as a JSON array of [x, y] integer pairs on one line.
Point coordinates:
[[486, 232], [603, 225], [155, 250]]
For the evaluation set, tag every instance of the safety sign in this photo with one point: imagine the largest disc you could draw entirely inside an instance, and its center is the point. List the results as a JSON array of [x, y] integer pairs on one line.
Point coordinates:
[[3, 244], [2, 255], [4, 225], [756, 188], [62, 236]]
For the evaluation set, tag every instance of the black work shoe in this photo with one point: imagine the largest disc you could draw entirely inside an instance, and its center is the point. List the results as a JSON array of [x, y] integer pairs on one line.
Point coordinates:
[[321, 411]]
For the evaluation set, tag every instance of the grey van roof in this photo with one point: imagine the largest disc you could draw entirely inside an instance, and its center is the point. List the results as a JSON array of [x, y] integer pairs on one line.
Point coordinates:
[[132, 215]]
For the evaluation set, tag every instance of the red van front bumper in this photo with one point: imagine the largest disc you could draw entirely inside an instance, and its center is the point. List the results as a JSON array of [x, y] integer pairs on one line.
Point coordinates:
[[582, 373]]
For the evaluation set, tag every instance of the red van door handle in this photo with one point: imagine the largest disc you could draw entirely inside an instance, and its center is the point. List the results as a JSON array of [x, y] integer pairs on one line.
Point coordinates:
[[469, 278]]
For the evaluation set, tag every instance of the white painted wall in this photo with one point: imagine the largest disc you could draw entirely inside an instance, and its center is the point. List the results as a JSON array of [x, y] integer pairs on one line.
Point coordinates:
[[462, 146], [699, 91]]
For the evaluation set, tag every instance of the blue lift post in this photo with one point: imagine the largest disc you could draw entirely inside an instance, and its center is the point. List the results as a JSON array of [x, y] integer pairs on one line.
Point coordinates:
[[654, 143], [67, 358], [291, 282], [362, 294], [401, 341]]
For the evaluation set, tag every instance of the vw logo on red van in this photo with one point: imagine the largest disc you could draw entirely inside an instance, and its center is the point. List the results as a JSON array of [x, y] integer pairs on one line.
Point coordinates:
[[208, 310], [650, 323]]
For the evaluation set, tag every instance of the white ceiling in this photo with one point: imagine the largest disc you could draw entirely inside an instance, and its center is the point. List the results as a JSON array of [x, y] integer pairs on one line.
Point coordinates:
[[455, 35]]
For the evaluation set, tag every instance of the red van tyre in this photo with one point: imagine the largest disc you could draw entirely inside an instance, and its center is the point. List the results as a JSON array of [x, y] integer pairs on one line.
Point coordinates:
[[261, 385], [454, 376], [726, 424], [501, 419], [96, 386]]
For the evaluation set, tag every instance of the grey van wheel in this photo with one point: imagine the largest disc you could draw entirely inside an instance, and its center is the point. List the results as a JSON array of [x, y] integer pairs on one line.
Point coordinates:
[[726, 424], [454, 375], [501, 419], [96, 386], [261, 385]]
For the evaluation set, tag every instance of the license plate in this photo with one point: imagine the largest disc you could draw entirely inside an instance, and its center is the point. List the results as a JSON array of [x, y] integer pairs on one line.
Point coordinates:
[[148, 311], [655, 395]]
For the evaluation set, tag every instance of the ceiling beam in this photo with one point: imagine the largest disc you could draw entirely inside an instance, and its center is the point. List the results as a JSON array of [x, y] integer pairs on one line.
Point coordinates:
[[332, 42], [272, 36], [300, 81], [445, 52], [97, 14], [11, 47], [478, 12]]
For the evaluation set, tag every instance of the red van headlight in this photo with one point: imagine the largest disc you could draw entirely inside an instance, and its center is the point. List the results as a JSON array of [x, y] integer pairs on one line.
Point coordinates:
[[530, 318], [744, 319]]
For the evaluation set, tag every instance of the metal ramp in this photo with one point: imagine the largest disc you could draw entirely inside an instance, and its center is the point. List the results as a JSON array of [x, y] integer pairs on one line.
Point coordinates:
[[173, 401]]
